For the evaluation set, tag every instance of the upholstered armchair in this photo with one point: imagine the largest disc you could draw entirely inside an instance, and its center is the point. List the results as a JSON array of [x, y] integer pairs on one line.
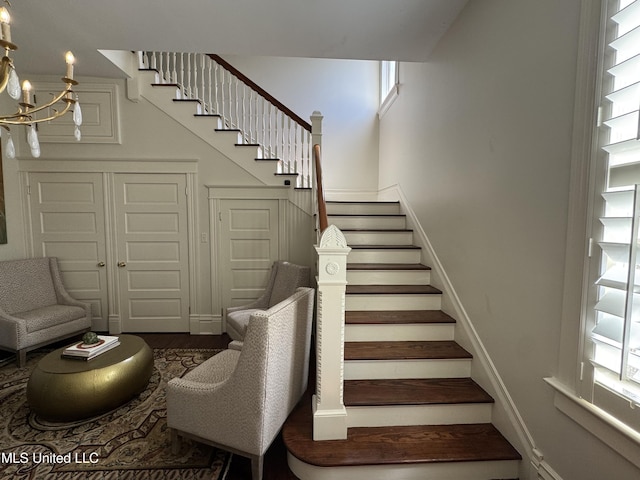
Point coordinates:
[[35, 308], [285, 278], [238, 400]]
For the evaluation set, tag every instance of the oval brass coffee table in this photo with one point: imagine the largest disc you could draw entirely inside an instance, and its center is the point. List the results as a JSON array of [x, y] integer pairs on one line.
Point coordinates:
[[62, 389]]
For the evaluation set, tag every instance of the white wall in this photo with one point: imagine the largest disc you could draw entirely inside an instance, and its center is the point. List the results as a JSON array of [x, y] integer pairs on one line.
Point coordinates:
[[346, 92], [479, 141]]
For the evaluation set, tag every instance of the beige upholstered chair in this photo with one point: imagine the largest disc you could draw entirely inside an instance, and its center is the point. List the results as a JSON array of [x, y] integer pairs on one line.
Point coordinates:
[[238, 400], [285, 278], [35, 308]]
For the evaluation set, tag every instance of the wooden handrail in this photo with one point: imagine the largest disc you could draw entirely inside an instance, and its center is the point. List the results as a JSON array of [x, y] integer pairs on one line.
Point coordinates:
[[322, 205], [250, 83]]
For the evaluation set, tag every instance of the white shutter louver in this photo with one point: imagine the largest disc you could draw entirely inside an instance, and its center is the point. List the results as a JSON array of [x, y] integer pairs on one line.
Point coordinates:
[[616, 334]]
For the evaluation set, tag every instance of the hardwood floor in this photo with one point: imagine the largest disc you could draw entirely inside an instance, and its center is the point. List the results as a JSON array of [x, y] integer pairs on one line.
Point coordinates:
[[275, 462]]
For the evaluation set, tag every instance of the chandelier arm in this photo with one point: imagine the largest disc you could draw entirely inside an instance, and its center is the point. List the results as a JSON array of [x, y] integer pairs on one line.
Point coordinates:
[[24, 118], [5, 69]]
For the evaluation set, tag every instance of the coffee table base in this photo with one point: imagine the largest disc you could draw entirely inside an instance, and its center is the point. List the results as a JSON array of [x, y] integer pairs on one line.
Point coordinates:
[[66, 390]]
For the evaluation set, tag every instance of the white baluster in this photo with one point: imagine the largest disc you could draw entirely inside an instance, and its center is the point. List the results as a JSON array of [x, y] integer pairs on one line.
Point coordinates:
[[153, 60], [188, 85], [251, 131], [209, 68], [237, 103], [195, 91], [272, 152], [215, 87], [203, 66], [174, 73], [230, 99], [166, 75], [288, 143], [183, 89], [160, 67], [242, 119]]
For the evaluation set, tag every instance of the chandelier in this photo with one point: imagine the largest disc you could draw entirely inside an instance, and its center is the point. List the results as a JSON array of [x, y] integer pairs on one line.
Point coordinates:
[[28, 114]]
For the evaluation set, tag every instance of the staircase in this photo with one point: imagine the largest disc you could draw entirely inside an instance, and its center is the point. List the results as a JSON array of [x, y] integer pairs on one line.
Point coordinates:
[[413, 412], [227, 110]]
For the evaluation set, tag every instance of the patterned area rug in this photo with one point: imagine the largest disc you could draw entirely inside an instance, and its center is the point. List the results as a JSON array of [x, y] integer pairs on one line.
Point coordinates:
[[130, 442]]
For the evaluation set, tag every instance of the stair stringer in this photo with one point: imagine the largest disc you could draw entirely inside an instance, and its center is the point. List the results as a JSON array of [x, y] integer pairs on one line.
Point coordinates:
[[506, 415], [225, 142]]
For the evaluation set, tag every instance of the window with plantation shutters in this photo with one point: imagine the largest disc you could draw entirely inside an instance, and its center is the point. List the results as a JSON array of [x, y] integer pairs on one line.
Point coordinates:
[[611, 375]]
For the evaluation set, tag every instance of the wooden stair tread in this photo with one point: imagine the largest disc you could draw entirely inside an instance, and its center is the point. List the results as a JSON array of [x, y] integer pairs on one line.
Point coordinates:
[[384, 247], [392, 290], [387, 266], [355, 202], [376, 230], [416, 391], [366, 215], [405, 350], [395, 445], [396, 317]]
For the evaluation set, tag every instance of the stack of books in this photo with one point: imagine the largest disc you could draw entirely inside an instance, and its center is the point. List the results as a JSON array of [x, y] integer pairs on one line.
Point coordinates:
[[80, 351]]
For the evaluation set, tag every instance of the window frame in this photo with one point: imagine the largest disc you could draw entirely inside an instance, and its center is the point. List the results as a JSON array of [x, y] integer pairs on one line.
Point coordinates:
[[571, 395], [389, 82]]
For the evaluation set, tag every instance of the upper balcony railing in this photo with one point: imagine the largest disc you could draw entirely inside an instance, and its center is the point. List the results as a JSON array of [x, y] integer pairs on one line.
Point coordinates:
[[241, 104]]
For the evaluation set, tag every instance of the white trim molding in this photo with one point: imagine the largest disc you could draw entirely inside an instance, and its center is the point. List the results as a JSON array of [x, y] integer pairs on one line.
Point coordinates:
[[606, 427]]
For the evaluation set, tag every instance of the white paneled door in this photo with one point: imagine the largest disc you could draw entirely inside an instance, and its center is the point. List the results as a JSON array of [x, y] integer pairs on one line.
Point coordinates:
[[152, 252], [68, 222], [248, 247]]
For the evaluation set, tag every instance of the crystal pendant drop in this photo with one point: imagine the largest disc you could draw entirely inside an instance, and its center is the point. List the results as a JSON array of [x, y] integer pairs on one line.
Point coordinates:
[[35, 151], [13, 85], [32, 137], [77, 134], [11, 149], [77, 113]]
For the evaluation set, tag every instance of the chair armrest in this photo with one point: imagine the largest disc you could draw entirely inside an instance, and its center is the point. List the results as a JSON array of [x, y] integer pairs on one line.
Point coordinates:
[[260, 303], [11, 330], [61, 293], [235, 345]]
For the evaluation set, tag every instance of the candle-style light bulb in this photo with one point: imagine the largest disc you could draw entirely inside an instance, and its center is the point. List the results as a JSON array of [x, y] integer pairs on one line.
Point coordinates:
[[70, 59], [5, 20], [26, 92]]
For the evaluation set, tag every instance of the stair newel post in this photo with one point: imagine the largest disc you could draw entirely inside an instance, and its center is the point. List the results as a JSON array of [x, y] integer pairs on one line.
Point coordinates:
[[316, 137], [316, 128], [329, 412]]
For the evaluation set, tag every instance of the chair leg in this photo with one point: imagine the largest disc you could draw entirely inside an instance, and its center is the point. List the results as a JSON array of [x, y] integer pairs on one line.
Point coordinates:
[[256, 467], [21, 358], [175, 442]]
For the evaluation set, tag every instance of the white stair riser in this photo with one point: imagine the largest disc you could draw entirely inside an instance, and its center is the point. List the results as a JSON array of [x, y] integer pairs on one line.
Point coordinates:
[[399, 333], [404, 415], [410, 255], [388, 277], [379, 238], [389, 369], [363, 208], [489, 470], [393, 302], [368, 223], [223, 141]]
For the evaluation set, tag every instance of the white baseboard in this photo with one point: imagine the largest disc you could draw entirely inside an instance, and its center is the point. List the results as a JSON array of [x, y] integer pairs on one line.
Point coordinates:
[[205, 324]]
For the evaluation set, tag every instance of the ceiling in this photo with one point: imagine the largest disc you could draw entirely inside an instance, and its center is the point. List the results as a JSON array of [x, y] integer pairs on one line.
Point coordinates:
[[350, 29]]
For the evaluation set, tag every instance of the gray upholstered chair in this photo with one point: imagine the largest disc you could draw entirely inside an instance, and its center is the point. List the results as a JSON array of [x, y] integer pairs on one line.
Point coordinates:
[[35, 308], [238, 400], [285, 278]]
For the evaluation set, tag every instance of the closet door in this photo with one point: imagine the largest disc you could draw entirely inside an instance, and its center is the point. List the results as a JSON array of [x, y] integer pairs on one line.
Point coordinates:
[[152, 252], [248, 247], [68, 222]]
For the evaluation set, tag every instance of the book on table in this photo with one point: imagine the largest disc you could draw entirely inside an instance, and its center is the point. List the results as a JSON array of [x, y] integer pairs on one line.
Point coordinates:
[[81, 351]]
